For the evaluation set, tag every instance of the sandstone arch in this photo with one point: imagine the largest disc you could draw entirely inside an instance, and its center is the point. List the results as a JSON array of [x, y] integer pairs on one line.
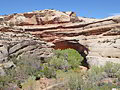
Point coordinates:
[[73, 44]]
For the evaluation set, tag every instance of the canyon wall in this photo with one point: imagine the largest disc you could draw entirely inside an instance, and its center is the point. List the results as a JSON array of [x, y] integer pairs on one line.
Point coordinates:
[[99, 37]]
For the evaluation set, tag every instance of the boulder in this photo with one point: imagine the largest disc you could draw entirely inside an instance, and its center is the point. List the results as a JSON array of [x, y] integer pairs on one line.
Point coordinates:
[[101, 61], [8, 65], [2, 72], [3, 52], [1, 18], [52, 17], [116, 19], [21, 20], [83, 69], [41, 18]]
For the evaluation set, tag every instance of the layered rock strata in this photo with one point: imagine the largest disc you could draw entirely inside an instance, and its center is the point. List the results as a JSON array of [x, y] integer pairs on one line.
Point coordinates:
[[17, 44], [100, 36]]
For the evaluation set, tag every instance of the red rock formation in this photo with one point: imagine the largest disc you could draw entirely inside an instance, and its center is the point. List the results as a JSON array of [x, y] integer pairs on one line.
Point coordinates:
[[73, 44], [100, 35]]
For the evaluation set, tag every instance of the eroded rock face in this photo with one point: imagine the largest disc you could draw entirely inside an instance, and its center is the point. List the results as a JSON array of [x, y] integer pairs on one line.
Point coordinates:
[[41, 18], [102, 49], [33, 35], [100, 36], [73, 44], [19, 44]]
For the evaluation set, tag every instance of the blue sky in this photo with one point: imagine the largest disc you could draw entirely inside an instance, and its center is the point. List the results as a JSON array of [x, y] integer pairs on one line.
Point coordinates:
[[86, 8]]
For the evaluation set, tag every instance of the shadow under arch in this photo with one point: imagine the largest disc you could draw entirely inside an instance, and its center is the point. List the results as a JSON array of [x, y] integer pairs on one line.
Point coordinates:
[[73, 44]]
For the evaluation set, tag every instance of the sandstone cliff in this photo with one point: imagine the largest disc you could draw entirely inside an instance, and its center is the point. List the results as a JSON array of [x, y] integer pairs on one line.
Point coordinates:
[[100, 36], [35, 34], [16, 43]]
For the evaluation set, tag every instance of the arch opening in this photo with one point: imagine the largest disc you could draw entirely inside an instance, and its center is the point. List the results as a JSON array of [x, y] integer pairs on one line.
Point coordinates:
[[73, 44]]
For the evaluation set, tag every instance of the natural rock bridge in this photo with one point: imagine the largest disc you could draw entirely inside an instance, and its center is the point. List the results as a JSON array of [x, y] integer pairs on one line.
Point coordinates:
[[73, 44]]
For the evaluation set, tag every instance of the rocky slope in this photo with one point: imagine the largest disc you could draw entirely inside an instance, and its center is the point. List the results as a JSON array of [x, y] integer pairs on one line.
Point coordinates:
[[100, 36], [19, 44]]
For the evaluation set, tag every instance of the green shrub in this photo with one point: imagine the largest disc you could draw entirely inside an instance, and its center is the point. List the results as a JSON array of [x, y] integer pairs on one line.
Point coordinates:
[[25, 68], [59, 63], [4, 82], [29, 84], [66, 59], [93, 79], [95, 74], [112, 70], [75, 82], [63, 60], [32, 67], [49, 72]]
